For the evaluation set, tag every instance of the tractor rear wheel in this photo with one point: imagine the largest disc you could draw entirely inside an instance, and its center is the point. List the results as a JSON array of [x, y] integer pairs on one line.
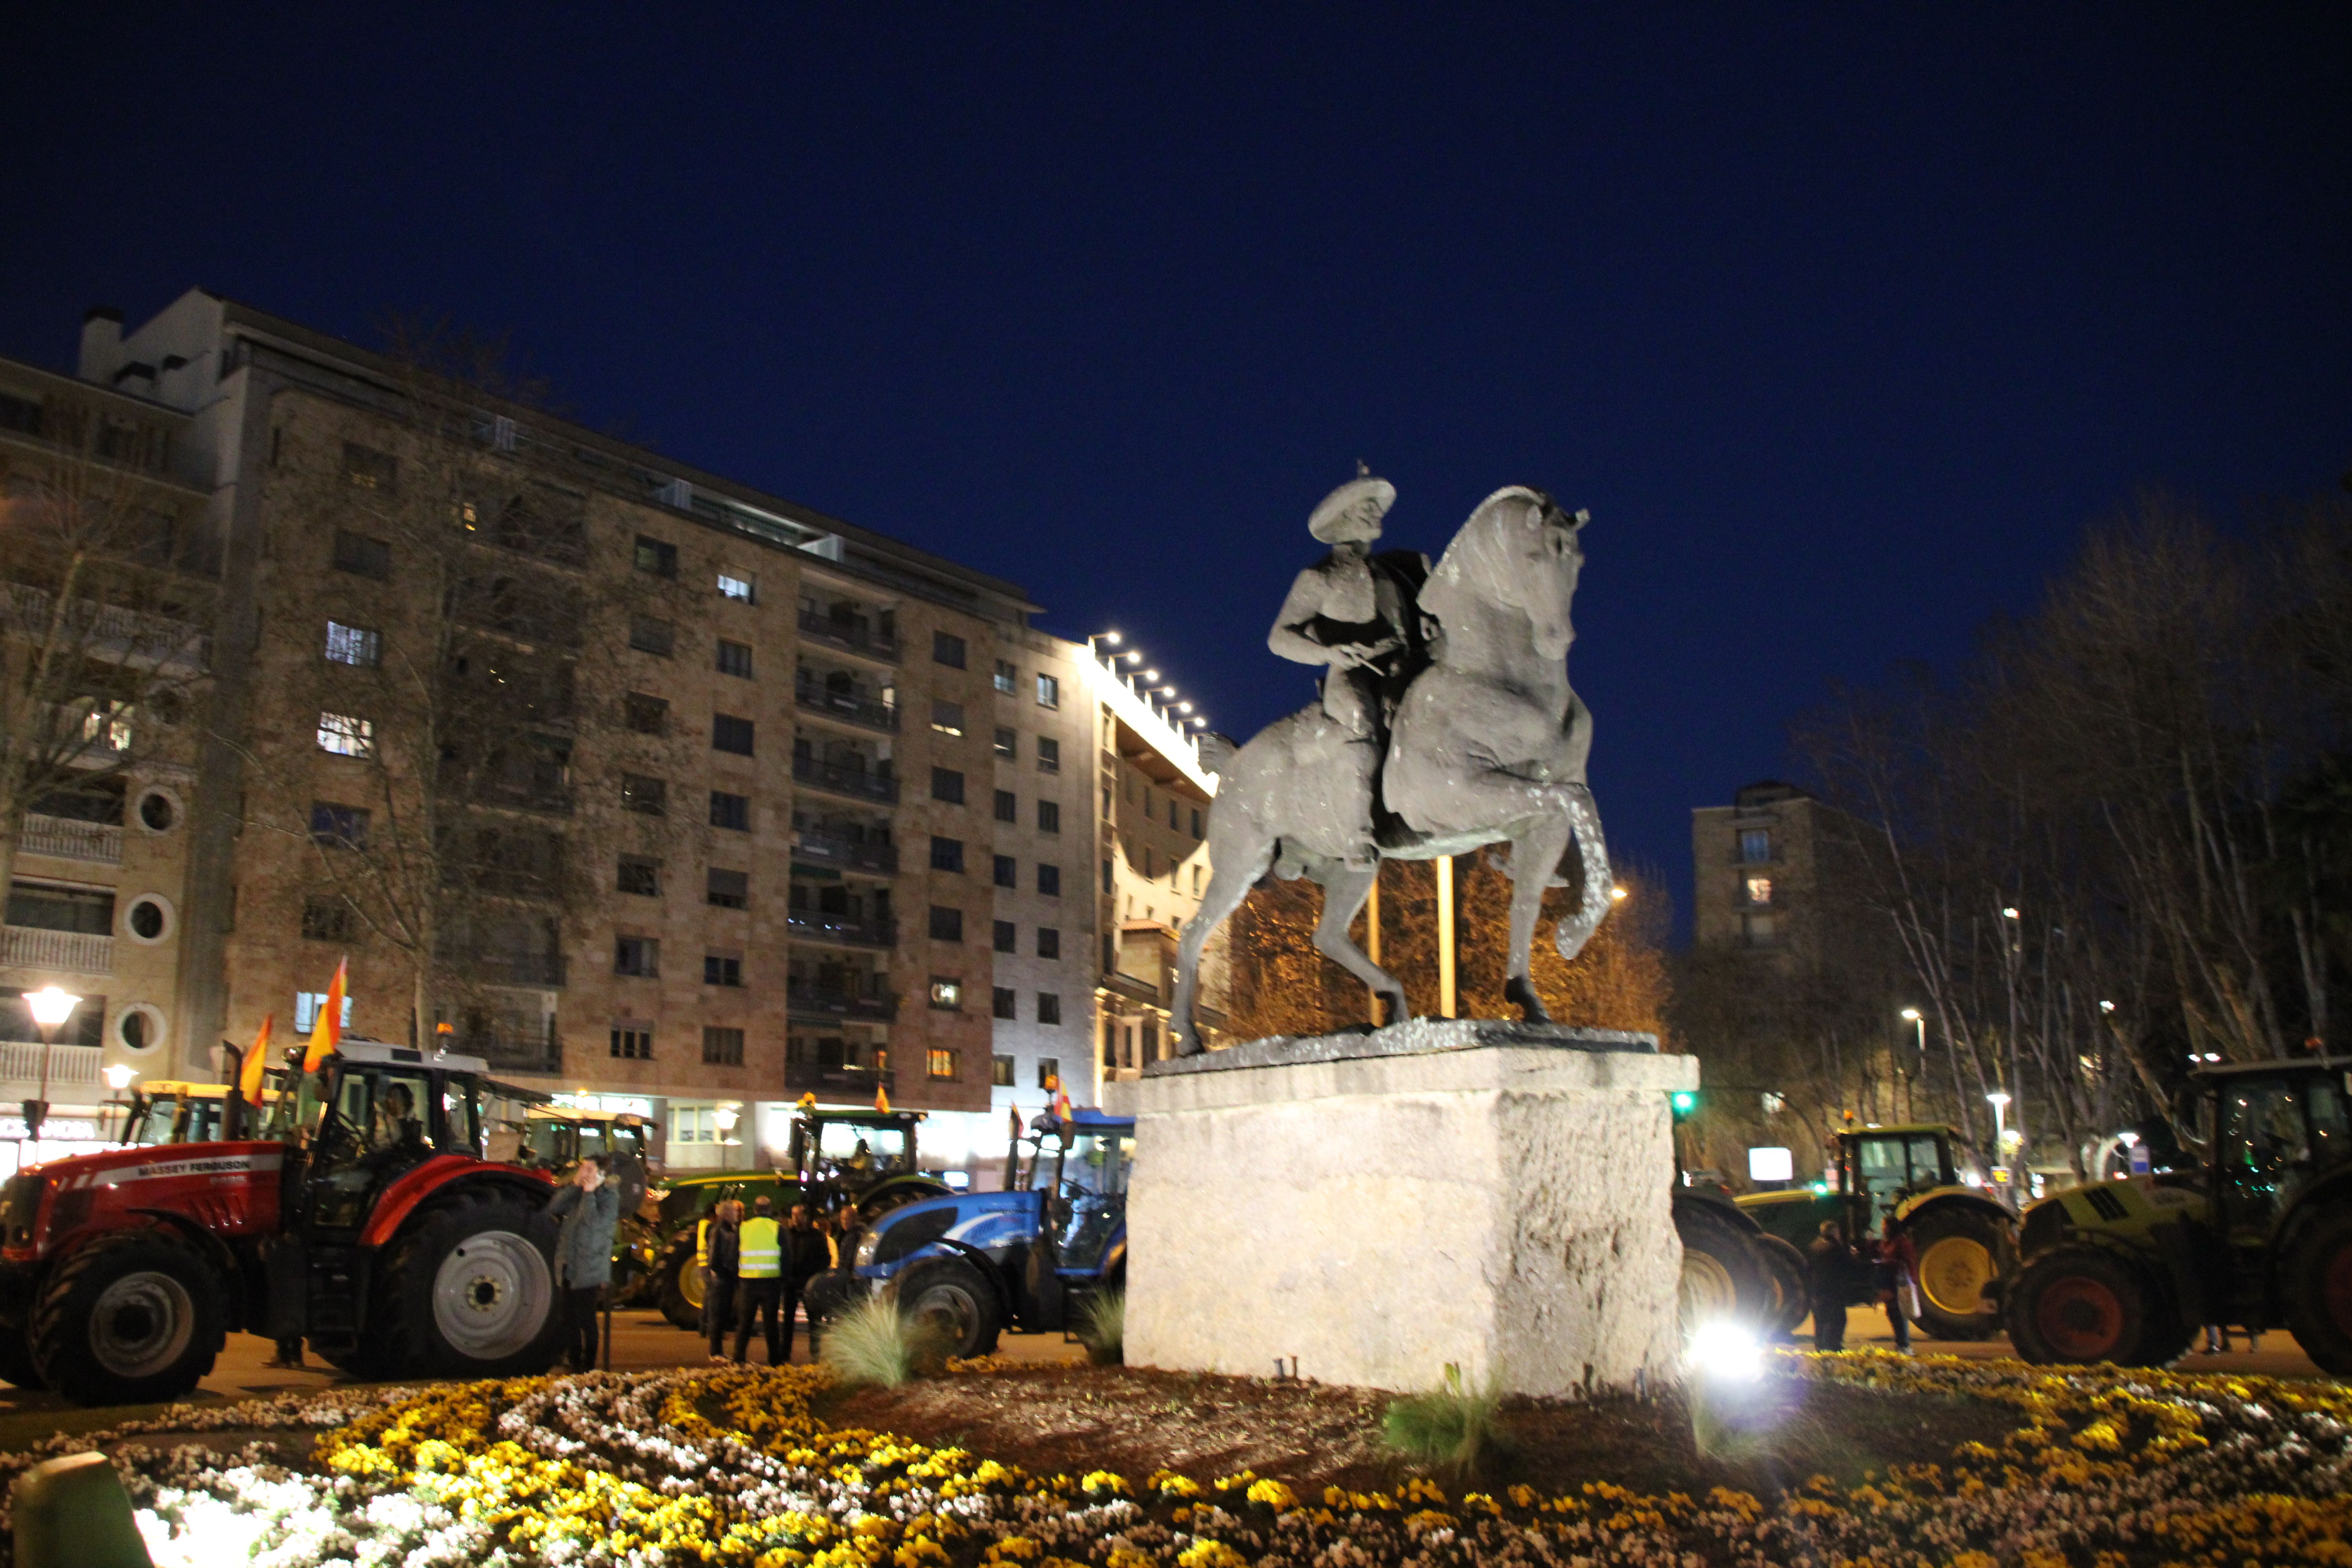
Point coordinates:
[[2079, 1304], [953, 1306], [1787, 1266], [1960, 1253], [469, 1291], [2318, 1281], [1723, 1275], [681, 1286], [131, 1319]]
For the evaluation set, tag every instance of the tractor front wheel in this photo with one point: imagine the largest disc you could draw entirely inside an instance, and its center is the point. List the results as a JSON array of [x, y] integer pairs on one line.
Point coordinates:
[[2079, 1304], [470, 1291], [1722, 1274], [954, 1307], [2318, 1280], [131, 1319], [681, 1286], [1960, 1251]]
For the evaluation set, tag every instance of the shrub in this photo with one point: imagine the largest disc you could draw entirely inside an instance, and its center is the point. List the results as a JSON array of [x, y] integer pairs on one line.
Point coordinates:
[[1450, 1427], [872, 1342], [1102, 1327]]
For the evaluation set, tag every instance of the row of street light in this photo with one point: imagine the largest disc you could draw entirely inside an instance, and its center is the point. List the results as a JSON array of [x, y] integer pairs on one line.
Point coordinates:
[[1128, 664]]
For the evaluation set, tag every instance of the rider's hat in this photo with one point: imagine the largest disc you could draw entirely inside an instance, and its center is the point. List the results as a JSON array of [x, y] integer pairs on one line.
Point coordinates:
[[1353, 510]]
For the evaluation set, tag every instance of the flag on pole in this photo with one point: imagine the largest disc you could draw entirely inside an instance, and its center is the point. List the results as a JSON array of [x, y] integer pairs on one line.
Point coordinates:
[[249, 1080], [882, 1100], [329, 1025]]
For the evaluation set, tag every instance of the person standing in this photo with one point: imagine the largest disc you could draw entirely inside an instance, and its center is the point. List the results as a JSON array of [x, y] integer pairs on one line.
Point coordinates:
[[1898, 1286], [719, 1244], [584, 1252], [759, 1261], [805, 1257], [1829, 1283]]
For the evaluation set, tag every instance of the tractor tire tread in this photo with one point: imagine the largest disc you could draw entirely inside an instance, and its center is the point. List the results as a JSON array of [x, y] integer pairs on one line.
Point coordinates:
[[57, 1316]]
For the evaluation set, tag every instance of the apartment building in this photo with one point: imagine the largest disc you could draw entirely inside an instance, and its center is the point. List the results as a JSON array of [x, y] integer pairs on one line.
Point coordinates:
[[1758, 865]]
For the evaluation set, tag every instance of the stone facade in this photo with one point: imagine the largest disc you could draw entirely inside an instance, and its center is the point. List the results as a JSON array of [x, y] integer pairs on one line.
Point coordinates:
[[1758, 865]]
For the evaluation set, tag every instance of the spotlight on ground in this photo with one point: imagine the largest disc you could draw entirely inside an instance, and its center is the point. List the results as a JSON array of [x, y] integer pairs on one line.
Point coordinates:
[[1723, 1352]]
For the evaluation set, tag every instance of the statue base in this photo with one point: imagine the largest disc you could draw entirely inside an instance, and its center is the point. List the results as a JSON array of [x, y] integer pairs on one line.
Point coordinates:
[[1374, 1206]]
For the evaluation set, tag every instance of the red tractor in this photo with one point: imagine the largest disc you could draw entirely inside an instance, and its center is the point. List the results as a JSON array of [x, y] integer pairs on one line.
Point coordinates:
[[365, 1220]]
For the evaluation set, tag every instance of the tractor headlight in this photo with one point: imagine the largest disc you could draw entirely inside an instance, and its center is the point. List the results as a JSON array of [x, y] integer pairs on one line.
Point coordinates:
[[867, 1245]]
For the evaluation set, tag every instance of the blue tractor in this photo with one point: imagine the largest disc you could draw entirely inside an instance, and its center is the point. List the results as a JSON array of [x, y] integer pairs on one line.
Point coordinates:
[[975, 1264]]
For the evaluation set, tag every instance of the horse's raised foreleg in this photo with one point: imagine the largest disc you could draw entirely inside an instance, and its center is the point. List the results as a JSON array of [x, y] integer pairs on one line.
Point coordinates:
[[1344, 892], [1584, 817], [1534, 852], [1237, 858]]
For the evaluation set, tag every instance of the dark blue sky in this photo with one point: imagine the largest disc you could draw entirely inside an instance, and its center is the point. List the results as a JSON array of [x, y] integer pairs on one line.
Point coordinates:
[[1842, 321]]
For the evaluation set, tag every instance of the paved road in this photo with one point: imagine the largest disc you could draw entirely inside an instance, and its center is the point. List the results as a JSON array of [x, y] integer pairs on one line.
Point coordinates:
[[2280, 1356]]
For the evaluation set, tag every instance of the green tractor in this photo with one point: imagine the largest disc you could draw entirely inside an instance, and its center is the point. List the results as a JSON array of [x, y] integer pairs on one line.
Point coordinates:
[[2259, 1234], [1965, 1236], [863, 1159]]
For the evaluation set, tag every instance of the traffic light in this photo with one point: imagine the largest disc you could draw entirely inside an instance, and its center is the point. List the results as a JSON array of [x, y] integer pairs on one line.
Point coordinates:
[[1685, 1101]]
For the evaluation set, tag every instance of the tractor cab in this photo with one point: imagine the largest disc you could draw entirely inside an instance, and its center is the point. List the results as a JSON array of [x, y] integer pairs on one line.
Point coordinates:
[[376, 1112], [556, 1138], [171, 1110], [1080, 1168], [868, 1158]]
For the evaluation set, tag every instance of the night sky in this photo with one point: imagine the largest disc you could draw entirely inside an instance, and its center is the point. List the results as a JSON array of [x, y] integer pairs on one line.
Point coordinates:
[[1842, 321]]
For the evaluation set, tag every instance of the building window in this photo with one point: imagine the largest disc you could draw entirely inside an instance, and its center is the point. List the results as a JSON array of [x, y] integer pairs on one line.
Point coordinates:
[[1106, 880], [1008, 937], [947, 784], [1006, 1003], [1049, 942], [647, 635], [1759, 890], [346, 736], [307, 1005], [336, 826], [1049, 691], [947, 717], [733, 588], [1049, 881], [694, 1124], [728, 889], [354, 645], [646, 715], [1196, 822], [1006, 875], [647, 796], [1049, 1007], [1008, 807], [1172, 816], [731, 811], [1197, 873], [941, 1062], [722, 1047], [1049, 816], [1000, 1071], [730, 733], [1049, 1073], [366, 468], [947, 992], [633, 1045], [653, 556], [947, 854], [362, 557], [640, 875], [947, 924], [1007, 743], [718, 969], [637, 955], [1008, 679], [947, 649], [1049, 755], [735, 658], [1755, 845], [328, 919]]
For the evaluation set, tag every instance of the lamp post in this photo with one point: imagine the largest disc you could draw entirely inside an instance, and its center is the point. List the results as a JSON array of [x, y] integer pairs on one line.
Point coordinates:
[[1999, 1101], [118, 1078], [51, 1008], [1919, 1021]]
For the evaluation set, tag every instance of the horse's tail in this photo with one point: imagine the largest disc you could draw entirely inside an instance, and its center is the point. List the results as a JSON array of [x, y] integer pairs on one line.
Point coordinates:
[[1584, 821]]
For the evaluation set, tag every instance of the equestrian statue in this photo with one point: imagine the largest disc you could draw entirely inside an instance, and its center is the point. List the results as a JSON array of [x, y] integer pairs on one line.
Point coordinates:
[[1446, 723]]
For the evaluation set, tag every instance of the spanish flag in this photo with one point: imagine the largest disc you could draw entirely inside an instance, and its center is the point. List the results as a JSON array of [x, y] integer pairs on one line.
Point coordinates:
[[882, 1100], [329, 1027], [257, 1060]]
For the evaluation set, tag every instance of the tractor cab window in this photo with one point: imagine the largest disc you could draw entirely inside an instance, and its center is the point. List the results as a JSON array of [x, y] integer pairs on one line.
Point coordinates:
[[1092, 1199], [861, 1151], [1886, 1169], [1100, 1165], [153, 1120], [461, 1123], [199, 1122], [2266, 1153], [2331, 1124]]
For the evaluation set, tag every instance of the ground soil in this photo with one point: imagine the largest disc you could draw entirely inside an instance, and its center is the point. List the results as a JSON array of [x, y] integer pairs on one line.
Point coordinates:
[[1072, 1419]]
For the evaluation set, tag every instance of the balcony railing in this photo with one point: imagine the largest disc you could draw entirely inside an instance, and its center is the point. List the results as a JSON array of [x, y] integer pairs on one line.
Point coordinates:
[[810, 925], [103, 631], [69, 838], [512, 1052], [859, 1081], [70, 1067], [854, 854], [847, 634], [537, 971], [76, 952], [869, 712], [809, 999], [858, 783]]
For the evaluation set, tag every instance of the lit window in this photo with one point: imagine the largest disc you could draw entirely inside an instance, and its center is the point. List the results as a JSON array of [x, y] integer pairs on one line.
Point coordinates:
[[1007, 744], [941, 1061], [1759, 890], [947, 718], [306, 1010], [1001, 1068], [733, 588], [346, 736], [947, 995], [109, 726], [354, 645], [1049, 691], [1755, 845]]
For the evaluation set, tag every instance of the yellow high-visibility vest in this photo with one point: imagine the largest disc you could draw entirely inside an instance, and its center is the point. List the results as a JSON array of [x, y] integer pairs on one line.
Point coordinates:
[[702, 1244], [761, 1248]]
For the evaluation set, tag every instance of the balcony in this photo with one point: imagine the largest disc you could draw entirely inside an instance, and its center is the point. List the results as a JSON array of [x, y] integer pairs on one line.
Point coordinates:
[[839, 930], [836, 778], [70, 1067], [859, 1082], [825, 849], [813, 1000], [504, 1051], [867, 712], [73, 951], [533, 971], [93, 630], [850, 635], [70, 838]]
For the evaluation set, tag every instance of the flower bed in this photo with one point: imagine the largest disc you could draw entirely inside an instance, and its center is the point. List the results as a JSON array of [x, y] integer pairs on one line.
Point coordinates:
[[2104, 1469]]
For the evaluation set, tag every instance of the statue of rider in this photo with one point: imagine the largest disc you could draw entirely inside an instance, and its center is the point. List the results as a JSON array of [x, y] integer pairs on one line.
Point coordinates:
[[1355, 614]]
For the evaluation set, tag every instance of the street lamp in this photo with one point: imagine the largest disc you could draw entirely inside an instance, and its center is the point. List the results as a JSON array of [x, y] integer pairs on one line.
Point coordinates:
[[1919, 1021], [2000, 1099], [118, 1078], [51, 1008], [724, 1119]]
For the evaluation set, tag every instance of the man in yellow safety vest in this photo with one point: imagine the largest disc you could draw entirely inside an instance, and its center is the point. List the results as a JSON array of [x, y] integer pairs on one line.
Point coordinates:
[[760, 1262]]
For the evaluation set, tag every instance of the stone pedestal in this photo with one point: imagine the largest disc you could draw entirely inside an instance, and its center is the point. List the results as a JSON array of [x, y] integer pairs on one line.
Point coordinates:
[[1492, 1194]]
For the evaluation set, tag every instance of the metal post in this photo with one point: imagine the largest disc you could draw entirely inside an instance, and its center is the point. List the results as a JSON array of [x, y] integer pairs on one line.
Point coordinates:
[[608, 1327], [1373, 940], [1445, 1008]]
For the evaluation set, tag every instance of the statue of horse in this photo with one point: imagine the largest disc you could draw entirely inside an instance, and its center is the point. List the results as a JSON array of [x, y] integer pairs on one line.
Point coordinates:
[[1488, 745]]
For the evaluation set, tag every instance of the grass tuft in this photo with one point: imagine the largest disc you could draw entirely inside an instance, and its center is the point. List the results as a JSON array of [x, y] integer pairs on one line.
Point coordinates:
[[1102, 1328], [871, 1343], [1449, 1427]]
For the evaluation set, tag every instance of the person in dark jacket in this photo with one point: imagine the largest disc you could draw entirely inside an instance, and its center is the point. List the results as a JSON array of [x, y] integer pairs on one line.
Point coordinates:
[[1898, 1277], [719, 1274], [590, 1211], [1830, 1285], [806, 1255]]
